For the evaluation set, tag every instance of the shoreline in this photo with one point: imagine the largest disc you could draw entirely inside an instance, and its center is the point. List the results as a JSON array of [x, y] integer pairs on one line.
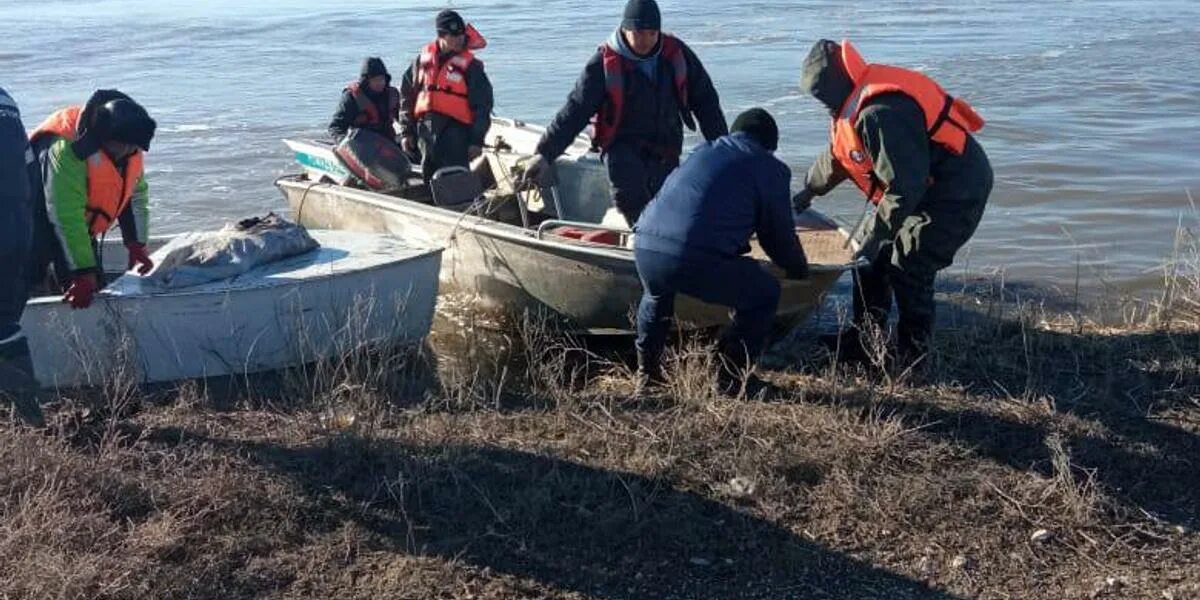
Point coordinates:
[[1049, 455]]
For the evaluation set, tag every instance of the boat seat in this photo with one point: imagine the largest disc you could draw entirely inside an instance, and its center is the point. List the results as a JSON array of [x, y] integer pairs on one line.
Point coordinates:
[[454, 185]]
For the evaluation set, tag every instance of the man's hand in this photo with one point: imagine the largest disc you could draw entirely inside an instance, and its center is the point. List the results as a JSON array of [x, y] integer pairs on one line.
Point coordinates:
[[798, 273], [83, 287], [139, 258], [474, 152], [802, 200], [539, 171]]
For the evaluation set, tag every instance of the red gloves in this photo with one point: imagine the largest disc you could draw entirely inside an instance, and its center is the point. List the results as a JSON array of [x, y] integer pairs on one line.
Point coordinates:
[[139, 258], [83, 287]]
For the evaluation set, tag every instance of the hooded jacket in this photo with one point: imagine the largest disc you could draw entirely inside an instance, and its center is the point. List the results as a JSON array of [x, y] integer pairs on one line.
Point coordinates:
[[892, 127], [348, 109]]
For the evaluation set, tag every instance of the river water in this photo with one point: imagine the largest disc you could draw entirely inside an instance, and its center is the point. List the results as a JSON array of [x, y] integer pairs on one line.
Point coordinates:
[[1093, 106]]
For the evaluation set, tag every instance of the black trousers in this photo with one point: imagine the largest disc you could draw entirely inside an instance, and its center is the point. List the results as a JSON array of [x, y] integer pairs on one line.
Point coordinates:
[[443, 143], [636, 174]]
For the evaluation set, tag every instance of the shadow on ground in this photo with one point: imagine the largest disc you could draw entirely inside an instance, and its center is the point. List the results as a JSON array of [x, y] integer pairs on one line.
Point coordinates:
[[1133, 394], [570, 527]]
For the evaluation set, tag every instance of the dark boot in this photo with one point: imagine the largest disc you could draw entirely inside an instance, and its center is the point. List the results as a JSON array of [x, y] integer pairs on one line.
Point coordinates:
[[650, 379], [912, 347], [17, 384], [847, 346], [872, 296], [735, 371], [914, 326]]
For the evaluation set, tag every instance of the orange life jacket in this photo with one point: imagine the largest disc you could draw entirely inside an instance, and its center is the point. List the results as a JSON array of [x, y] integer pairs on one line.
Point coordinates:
[[948, 120], [443, 85], [109, 191], [368, 113], [616, 67]]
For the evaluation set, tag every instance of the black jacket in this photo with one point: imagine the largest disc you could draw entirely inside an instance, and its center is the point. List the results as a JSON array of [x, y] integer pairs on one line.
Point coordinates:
[[347, 112], [479, 97], [651, 108]]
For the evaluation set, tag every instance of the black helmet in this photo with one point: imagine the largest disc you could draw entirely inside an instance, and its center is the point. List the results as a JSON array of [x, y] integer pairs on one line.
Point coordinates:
[[124, 120]]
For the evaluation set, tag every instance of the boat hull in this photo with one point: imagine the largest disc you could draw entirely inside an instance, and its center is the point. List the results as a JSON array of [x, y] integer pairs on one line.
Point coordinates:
[[353, 291], [503, 267]]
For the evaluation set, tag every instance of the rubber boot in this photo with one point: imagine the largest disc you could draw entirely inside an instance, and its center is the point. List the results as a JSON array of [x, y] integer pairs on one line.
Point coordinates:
[[913, 337], [872, 296], [735, 375], [650, 378], [17, 384]]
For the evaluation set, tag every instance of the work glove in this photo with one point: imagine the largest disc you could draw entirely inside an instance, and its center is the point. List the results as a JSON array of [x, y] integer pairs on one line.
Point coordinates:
[[802, 200], [409, 145], [539, 171], [474, 152], [139, 258], [82, 289]]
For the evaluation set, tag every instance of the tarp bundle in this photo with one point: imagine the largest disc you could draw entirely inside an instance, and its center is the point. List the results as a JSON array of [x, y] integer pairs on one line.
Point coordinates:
[[196, 258]]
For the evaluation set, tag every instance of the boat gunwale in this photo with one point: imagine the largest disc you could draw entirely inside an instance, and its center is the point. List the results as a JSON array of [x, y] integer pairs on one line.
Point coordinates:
[[497, 229], [101, 295]]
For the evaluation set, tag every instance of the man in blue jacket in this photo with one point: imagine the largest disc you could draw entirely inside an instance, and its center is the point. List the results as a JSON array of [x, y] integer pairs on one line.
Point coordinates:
[[18, 176], [692, 238]]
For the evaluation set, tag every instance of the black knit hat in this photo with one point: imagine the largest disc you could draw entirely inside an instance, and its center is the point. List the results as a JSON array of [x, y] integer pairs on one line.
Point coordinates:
[[372, 66], [451, 22], [641, 14], [760, 125]]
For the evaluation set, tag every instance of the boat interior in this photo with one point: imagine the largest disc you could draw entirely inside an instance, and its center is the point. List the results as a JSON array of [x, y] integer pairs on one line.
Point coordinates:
[[573, 206]]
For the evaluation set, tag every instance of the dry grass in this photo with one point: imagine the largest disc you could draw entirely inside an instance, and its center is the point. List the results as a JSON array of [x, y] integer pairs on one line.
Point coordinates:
[[1045, 456]]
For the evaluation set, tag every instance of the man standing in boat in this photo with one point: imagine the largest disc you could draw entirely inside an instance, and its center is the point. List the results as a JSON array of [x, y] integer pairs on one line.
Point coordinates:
[[640, 87], [368, 103], [93, 178], [446, 98], [693, 237], [907, 145], [18, 180]]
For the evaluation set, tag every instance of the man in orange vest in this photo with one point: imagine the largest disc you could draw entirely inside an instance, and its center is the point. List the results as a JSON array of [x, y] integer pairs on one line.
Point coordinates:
[[446, 98], [641, 87], [93, 179], [368, 103], [907, 145]]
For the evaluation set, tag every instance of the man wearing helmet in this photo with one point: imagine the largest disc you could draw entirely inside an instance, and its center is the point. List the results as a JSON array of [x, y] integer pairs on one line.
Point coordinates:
[[93, 178]]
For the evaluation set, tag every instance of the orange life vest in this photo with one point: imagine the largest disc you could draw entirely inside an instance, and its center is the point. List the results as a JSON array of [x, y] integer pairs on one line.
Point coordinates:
[[368, 112], [948, 120], [109, 191], [442, 85], [616, 67]]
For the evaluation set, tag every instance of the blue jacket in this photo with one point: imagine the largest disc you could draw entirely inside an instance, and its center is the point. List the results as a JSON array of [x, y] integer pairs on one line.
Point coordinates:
[[18, 176], [726, 191]]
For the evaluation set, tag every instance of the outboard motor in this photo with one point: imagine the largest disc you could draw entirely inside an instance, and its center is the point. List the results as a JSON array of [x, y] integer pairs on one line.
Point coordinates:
[[375, 160]]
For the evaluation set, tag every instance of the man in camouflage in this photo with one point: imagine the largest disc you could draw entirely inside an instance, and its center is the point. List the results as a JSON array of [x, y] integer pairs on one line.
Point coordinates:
[[930, 196]]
